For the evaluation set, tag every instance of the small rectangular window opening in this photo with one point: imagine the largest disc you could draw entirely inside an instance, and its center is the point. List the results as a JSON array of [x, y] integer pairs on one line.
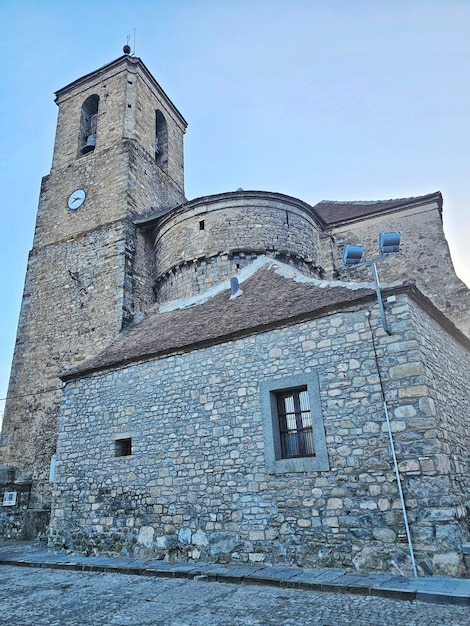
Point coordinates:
[[295, 423], [9, 498], [202, 225], [123, 447]]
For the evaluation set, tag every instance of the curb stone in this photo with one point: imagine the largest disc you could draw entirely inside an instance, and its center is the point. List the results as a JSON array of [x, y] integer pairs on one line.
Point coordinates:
[[436, 590]]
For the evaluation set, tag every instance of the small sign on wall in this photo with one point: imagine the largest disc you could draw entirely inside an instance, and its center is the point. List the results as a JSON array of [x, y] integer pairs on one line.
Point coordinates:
[[9, 498]]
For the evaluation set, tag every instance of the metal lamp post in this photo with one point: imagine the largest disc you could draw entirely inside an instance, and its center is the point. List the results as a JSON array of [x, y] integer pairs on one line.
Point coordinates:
[[389, 243]]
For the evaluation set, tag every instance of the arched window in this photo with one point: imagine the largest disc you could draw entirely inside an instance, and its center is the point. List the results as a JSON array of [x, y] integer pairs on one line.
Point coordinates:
[[161, 141], [88, 123]]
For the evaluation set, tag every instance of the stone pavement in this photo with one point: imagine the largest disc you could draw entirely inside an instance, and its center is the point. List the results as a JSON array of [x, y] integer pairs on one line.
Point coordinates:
[[57, 597], [436, 589]]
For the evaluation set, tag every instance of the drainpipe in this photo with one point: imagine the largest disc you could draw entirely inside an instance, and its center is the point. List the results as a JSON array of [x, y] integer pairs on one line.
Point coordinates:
[[392, 447], [400, 491]]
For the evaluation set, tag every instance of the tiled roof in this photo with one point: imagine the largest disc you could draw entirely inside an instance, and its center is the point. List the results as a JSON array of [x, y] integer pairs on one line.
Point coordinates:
[[333, 212], [269, 300], [327, 212]]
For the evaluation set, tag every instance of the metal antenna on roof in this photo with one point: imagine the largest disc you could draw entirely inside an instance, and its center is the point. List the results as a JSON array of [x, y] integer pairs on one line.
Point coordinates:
[[127, 48]]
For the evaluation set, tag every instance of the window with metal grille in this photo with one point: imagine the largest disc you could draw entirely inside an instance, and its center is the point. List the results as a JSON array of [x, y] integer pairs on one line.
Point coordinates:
[[295, 423], [293, 429]]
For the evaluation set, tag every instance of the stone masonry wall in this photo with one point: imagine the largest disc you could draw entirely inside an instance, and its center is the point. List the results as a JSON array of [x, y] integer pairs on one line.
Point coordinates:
[[433, 398], [103, 176], [205, 243], [424, 258], [196, 486], [89, 272], [148, 187], [197, 275], [449, 400], [149, 98], [111, 88], [72, 308], [128, 99]]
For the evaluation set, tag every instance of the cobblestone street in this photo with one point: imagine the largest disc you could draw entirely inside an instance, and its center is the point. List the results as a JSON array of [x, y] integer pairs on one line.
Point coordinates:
[[62, 598]]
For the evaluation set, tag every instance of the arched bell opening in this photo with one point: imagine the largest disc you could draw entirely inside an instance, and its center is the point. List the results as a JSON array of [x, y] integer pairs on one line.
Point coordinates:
[[88, 125], [161, 141]]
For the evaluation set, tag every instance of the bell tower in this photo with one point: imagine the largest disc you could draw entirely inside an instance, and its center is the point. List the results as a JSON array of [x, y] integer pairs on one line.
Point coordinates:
[[118, 154]]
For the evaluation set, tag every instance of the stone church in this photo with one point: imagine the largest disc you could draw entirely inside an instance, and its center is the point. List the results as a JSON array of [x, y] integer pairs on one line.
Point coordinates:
[[207, 380]]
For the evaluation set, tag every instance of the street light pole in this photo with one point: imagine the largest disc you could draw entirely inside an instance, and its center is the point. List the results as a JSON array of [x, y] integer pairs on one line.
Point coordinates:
[[389, 243], [379, 298]]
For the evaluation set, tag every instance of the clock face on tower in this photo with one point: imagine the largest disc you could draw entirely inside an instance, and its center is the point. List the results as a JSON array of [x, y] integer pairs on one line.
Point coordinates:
[[76, 199]]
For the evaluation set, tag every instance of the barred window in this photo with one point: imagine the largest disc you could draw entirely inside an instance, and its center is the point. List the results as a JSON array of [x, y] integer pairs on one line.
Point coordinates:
[[295, 423], [294, 434]]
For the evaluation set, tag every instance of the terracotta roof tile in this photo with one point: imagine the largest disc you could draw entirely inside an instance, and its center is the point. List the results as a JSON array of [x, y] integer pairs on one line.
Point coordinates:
[[268, 300], [332, 212]]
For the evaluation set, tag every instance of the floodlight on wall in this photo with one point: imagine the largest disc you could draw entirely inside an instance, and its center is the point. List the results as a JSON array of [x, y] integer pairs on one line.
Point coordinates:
[[352, 255], [389, 243]]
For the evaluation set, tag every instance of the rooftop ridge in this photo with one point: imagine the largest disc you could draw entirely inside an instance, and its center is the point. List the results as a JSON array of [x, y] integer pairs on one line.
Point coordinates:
[[332, 212], [261, 262]]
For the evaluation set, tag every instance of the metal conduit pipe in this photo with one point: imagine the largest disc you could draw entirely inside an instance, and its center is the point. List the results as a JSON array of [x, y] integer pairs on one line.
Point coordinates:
[[392, 447], [400, 491]]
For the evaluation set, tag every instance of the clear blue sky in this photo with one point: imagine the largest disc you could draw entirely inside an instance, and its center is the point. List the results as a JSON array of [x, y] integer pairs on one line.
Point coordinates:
[[318, 99]]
